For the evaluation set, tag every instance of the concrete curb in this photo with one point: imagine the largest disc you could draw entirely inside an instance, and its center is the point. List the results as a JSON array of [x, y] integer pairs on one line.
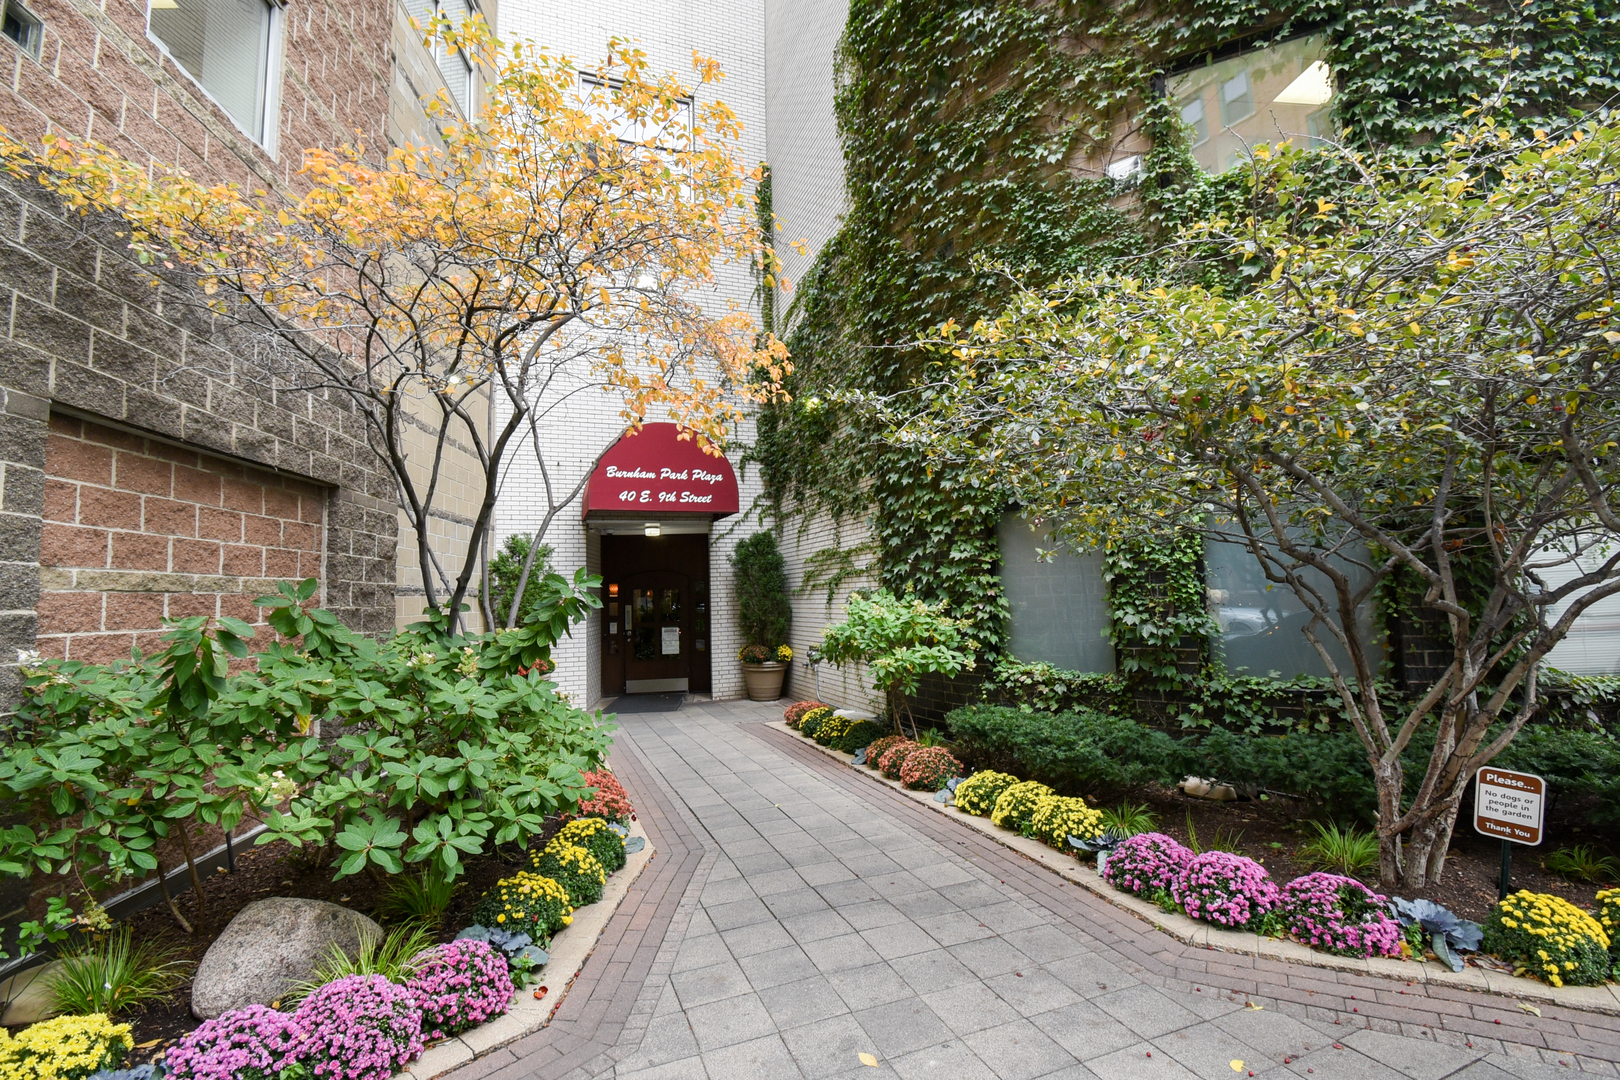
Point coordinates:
[[570, 949], [1600, 999]]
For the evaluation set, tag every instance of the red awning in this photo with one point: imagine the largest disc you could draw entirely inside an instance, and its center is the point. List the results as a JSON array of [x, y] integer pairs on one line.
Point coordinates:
[[653, 472]]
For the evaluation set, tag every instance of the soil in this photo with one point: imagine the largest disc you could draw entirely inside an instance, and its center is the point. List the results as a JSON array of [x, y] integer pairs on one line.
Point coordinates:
[[1271, 831], [280, 870]]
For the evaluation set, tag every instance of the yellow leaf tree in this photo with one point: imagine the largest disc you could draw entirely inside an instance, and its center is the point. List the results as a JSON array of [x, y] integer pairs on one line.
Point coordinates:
[[566, 238]]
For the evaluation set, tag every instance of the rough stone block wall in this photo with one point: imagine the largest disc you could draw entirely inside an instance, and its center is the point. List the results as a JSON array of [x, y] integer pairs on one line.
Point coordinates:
[[136, 530]]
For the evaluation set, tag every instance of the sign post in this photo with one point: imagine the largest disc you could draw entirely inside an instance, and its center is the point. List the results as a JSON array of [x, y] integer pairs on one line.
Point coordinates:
[[1509, 805]]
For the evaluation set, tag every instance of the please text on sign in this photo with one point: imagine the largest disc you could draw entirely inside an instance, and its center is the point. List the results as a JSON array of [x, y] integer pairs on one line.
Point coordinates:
[[1509, 805]]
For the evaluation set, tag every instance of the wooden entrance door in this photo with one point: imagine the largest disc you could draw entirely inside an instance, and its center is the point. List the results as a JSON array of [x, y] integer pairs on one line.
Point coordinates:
[[658, 645]]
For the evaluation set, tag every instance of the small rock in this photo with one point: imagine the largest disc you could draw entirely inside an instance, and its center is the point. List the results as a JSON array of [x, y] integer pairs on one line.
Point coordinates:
[[271, 946]]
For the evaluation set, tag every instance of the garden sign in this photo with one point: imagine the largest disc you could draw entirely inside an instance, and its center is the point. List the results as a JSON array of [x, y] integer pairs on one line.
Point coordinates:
[[1509, 805]]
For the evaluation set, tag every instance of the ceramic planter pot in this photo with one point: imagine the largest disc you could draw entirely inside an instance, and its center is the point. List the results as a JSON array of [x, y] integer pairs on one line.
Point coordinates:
[[764, 681]]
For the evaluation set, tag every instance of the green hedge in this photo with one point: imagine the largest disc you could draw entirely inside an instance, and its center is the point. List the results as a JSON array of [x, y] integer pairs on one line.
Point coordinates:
[[1084, 751]]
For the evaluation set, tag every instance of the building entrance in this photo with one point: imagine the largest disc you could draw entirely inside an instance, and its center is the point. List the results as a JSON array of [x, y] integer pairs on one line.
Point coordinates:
[[656, 626]]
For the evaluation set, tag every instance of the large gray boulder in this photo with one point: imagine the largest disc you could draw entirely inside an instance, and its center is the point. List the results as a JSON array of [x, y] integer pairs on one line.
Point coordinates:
[[269, 947]]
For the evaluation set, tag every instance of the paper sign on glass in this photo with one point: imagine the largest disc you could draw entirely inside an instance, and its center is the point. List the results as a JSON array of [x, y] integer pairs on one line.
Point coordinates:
[[672, 641]]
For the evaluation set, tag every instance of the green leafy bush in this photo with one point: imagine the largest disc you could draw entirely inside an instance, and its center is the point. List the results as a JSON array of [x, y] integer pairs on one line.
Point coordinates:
[[764, 611], [1075, 751], [861, 733], [977, 794], [1016, 805], [442, 749]]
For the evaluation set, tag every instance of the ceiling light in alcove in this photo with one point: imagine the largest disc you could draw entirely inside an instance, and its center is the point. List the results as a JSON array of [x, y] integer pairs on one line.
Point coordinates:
[[651, 529]]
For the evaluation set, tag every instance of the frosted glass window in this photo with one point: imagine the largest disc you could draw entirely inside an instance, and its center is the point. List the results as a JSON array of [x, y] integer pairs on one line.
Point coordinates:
[[225, 46], [1262, 96], [1592, 646], [453, 64], [1262, 624], [1059, 609]]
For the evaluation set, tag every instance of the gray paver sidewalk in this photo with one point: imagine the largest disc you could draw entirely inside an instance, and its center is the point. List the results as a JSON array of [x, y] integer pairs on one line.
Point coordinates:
[[824, 927]]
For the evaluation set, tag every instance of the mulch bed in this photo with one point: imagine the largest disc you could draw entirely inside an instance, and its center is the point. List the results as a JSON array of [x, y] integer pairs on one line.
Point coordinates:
[[280, 870], [1271, 831]]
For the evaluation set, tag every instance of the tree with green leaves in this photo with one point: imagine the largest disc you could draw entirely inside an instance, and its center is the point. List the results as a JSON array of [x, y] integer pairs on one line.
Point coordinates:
[[1423, 380], [764, 613], [899, 639]]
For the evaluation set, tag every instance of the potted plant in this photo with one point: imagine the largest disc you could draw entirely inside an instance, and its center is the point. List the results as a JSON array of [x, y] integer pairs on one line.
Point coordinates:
[[763, 614]]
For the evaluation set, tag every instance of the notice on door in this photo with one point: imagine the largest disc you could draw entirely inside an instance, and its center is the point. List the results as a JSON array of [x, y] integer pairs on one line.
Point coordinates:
[[1509, 805], [672, 641]]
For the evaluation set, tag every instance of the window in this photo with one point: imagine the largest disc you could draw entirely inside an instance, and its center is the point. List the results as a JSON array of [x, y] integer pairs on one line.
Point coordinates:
[[226, 46], [1192, 114], [22, 26], [1263, 95], [598, 100], [1592, 646], [1059, 607], [453, 64]]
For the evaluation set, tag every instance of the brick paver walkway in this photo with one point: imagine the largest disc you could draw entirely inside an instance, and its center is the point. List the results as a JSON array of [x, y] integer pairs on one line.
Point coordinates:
[[799, 914]]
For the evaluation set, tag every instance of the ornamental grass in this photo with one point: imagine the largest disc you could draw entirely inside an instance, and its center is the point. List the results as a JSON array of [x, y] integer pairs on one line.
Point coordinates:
[[894, 758], [880, 746], [1548, 938], [251, 1041], [928, 767], [575, 869], [64, 1048], [1057, 817], [811, 721], [459, 986], [610, 801], [1016, 805], [361, 1027], [1226, 889], [528, 903], [977, 794], [1339, 915], [795, 712], [594, 835], [831, 728], [1147, 864]]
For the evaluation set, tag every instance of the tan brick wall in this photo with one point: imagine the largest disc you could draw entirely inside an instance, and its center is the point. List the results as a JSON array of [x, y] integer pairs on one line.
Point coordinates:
[[136, 529]]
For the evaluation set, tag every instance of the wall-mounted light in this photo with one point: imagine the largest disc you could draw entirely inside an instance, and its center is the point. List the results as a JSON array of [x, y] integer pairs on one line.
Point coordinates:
[[613, 590], [651, 529]]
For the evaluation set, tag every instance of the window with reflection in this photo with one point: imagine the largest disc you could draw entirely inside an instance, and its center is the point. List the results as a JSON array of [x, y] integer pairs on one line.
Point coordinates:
[[1261, 96], [1262, 624], [1058, 606]]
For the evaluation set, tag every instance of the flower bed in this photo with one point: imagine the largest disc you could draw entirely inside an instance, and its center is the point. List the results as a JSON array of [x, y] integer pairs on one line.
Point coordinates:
[[1548, 938], [928, 767], [459, 986], [1340, 915], [977, 794], [894, 758], [1016, 805]]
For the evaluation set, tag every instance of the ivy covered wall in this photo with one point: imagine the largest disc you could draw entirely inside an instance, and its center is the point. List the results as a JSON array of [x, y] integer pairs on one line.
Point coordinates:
[[977, 135]]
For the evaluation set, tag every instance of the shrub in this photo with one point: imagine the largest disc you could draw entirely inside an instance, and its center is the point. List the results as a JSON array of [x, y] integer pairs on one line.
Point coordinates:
[[531, 903], [459, 986], [861, 733], [795, 712], [1340, 915], [1225, 889], [894, 758], [1581, 863], [977, 794], [113, 975], [811, 721], [1608, 917], [65, 1048], [928, 767], [1077, 751], [764, 611], [880, 746], [575, 869], [362, 1027], [1017, 804], [1548, 938], [1147, 864], [249, 1042], [1348, 850], [610, 802], [832, 727], [1128, 819], [594, 836], [1057, 818]]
